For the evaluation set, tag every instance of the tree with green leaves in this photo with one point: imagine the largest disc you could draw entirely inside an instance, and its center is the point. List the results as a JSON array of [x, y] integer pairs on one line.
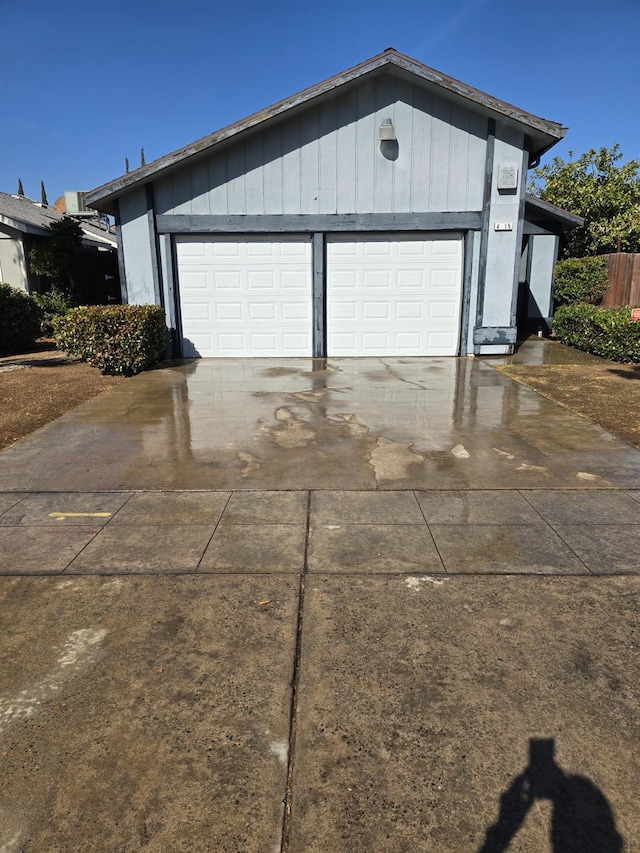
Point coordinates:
[[55, 256], [601, 189], [20, 189], [43, 195]]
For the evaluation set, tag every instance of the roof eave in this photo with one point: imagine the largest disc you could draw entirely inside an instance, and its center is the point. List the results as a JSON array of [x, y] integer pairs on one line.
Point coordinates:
[[567, 219], [24, 227]]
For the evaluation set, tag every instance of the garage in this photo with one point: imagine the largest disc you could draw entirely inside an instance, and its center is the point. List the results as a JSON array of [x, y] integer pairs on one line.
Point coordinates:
[[386, 294], [382, 211], [393, 295], [244, 296]]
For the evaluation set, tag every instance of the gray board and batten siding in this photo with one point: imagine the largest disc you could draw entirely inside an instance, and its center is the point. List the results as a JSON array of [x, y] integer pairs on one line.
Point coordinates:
[[327, 160], [319, 168]]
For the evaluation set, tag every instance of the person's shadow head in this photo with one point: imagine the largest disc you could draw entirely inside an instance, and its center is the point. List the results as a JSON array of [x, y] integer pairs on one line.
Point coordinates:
[[582, 820]]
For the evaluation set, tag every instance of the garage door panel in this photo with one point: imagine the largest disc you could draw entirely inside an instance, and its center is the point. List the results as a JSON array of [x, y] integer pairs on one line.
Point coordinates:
[[197, 280], [228, 311], [441, 342], [260, 280], [226, 342], [295, 279], [406, 279], [197, 311], [410, 310], [294, 342], [193, 250], [223, 281], [262, 311], [441, 311], [257, 292], [342, 311], [407, 341], [445, 279], [376, 310], [296, 311], [418, 283]]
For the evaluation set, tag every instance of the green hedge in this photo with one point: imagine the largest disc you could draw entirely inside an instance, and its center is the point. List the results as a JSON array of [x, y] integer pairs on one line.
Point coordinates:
[[52, 303], [117, 339], [607, 332], [580, 280], [19, 319]]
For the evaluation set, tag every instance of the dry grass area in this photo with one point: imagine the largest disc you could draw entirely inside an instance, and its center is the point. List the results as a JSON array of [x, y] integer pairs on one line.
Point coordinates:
[[37, 387], [606, 393]]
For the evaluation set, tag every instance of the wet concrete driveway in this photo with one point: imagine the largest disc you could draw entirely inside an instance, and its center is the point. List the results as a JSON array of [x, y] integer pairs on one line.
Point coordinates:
[[304, 424], [320, 607]]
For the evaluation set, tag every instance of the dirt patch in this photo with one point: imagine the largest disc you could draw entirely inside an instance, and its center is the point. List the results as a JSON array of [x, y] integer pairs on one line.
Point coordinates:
[[39, 386], [606, 393]]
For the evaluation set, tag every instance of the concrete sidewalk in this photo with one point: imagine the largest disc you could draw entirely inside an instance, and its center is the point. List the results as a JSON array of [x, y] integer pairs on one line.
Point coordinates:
[[402, 666], [456, 532]]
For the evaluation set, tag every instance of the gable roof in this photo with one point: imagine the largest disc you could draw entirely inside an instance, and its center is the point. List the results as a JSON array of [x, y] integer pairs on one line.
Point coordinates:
[[542, 133], [27, 216]]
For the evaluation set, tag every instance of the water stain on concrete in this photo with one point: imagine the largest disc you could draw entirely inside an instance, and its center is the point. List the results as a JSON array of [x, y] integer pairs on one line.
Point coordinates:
[[292, 430], [394, 460], [351, 423], [310, 396], [80, 648], [251, 463]]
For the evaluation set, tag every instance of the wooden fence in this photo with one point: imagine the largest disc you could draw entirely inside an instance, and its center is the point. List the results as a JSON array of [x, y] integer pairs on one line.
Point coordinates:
[[624, 280]]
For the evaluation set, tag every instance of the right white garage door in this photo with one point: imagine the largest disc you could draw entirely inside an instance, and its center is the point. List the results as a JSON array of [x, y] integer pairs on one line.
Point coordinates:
[[394, 295]]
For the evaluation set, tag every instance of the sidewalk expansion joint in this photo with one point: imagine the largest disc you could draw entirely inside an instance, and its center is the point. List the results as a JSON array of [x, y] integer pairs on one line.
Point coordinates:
[[293, 714]]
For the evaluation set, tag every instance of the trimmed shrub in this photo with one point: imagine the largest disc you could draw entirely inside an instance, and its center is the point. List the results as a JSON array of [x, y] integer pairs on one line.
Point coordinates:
[[607, 332], [53, 303], [117, 339], [580, 280], [19, 319]]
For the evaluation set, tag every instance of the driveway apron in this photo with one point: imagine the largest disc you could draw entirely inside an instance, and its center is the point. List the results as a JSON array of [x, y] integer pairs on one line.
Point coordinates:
[[315, 606]]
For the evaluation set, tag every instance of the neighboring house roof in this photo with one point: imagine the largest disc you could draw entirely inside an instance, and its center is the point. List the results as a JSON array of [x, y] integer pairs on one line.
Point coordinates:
[[29, 217], [539, 211], [541, 132], [25, 215]]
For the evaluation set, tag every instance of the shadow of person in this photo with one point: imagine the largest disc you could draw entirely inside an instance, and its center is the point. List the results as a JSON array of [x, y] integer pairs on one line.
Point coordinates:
[[582, 820]]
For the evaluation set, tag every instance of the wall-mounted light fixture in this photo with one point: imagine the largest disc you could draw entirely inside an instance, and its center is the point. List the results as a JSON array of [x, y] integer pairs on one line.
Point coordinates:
[[388, 141], [387, 133]]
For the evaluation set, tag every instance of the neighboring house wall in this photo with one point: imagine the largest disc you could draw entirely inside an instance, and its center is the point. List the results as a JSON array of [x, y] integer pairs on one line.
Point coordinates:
[[13, 264]]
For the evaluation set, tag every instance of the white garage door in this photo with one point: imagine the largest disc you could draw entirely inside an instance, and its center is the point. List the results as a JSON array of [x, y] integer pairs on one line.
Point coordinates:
[[245, 296], [391, 295]]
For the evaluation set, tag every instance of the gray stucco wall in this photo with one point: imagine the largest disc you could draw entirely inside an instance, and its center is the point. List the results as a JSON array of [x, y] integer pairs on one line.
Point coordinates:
[[137, 248], [13, 265], [543, 252], [502, 261]]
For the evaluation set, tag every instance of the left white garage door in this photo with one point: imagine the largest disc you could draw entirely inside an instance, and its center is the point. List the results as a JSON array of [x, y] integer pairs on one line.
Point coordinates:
[[245, 296]]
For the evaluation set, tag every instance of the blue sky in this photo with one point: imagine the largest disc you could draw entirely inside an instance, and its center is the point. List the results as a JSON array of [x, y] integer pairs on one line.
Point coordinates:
[[86, 84]]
